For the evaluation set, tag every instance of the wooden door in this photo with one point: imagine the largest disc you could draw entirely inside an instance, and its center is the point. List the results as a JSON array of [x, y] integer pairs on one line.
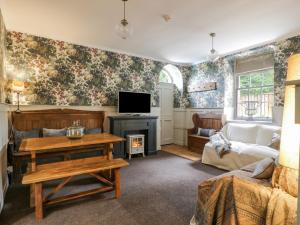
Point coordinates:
[[166, 97]]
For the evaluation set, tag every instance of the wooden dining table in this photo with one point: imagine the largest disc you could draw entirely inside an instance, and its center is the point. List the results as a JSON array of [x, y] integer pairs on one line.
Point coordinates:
[[63, 145]]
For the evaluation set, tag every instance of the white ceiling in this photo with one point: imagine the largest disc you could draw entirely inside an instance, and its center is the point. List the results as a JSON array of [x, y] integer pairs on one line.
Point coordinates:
[[184, 39]]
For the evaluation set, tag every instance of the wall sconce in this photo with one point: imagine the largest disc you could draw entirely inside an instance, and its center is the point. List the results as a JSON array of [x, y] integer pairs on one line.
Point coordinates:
[[18, 87]]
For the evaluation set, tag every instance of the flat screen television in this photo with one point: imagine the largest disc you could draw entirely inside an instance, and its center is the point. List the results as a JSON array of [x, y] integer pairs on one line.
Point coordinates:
[[133, 102]]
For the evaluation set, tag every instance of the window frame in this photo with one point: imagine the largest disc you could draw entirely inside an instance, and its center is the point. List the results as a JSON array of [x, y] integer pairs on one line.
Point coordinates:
[[237, 89]]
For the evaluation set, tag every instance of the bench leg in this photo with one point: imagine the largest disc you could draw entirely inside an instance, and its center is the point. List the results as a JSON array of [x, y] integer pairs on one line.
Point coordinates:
[[117, 183], [38, 190], [32, 193], [17, 170]]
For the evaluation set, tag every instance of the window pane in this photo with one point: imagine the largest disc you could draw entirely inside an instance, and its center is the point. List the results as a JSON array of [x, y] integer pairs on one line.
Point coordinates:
[[267, 101], [242, 102], [268, 77], [253, 107], [164, 77], [244, 81], [256, 80], [255, 94]]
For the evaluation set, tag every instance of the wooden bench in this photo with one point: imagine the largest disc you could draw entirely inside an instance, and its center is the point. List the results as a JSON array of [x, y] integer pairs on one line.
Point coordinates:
[[196, 143], [66, 170], [52, 119]]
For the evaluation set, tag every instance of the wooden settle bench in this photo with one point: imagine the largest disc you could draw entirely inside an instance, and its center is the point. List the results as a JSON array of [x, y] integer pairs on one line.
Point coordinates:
[[208, 121], [66, 170], [51, 119]]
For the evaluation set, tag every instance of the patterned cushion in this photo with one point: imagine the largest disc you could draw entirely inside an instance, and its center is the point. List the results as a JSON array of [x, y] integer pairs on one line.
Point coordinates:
[[205, 132], [275, 143], [20, 135], [54, 132], [92, 130]]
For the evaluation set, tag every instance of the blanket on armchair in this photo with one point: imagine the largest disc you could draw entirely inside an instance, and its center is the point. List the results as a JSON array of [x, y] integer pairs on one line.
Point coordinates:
[[237, 200]]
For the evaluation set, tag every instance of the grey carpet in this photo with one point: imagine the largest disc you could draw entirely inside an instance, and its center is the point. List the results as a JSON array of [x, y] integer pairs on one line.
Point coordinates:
[[156, 190]]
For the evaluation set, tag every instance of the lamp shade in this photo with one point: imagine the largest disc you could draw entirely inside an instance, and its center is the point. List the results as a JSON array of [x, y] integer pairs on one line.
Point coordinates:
[[290, 138], [290, 134], [18, 85], [293, 72], [124, 30]]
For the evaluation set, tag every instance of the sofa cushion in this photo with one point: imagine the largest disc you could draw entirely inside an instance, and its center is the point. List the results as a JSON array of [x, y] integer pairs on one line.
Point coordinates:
[[54, 132], [20, 135], [254, 150], [205, 132], [275, 143], [265, 134], [92, 130], [241, 132], [264, 169], [240, 155]]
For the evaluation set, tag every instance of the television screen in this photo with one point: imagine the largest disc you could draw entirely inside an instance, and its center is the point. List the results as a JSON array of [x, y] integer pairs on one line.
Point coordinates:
[[131, 102]]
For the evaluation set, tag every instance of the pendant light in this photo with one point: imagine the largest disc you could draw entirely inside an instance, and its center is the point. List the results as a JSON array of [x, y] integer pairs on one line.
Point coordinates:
[[213, 56], [124, 29]]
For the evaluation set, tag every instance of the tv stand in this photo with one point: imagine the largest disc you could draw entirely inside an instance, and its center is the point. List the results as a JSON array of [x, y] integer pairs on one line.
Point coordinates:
[[130, 124]]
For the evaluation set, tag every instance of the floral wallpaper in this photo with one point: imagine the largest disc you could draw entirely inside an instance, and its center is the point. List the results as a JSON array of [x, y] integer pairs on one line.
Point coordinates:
[[222, 72], [2, 59], [282, 51], [58, 73], [180, 97], [208, 72]]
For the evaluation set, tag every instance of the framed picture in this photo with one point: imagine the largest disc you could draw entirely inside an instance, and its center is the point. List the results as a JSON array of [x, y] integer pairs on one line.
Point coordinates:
[[203, 87]]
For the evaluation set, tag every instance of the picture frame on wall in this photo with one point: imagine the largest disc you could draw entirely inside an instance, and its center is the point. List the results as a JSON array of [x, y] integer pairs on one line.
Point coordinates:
[[201, 87]]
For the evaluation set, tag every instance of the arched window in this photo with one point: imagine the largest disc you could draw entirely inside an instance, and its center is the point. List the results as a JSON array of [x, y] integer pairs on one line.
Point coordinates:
[[165, 77], [171, 74]]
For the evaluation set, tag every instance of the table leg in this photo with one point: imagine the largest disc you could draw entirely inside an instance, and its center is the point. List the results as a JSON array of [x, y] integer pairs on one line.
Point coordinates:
[[32, 193], [117, 183], [33, 161], [32, 201], [109, 150], [38, 190]]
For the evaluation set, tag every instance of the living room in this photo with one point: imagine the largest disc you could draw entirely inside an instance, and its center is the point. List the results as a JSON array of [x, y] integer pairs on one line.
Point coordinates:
[[173, 108]]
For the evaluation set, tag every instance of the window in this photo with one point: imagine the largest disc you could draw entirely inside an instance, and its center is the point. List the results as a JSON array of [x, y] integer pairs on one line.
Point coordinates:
[[255, 88], [165, 77], [171, 74]]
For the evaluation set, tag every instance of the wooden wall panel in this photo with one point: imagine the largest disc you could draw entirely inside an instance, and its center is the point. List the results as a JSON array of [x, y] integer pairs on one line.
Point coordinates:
[[56, 119]]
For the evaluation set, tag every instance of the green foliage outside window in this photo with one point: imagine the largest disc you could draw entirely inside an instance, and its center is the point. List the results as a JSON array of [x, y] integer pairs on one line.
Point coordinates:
[[257, 88], [165, 77]]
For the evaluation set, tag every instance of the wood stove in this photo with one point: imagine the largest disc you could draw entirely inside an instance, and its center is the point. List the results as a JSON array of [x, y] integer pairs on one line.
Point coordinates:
[[135, 144]]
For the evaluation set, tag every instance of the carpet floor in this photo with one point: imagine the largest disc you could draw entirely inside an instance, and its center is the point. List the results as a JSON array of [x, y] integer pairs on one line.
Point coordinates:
[[156, 190]]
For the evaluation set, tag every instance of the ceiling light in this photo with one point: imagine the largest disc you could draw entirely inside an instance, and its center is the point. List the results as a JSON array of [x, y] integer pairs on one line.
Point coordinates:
[[213, 56], [124, 29], [166, 17]]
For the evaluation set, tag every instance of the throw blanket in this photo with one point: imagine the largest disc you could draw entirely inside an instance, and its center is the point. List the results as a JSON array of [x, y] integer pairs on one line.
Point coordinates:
[[234, 200], [220, 143]]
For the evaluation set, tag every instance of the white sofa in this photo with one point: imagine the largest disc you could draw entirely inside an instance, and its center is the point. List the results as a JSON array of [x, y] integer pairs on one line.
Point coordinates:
[[249, 143]]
